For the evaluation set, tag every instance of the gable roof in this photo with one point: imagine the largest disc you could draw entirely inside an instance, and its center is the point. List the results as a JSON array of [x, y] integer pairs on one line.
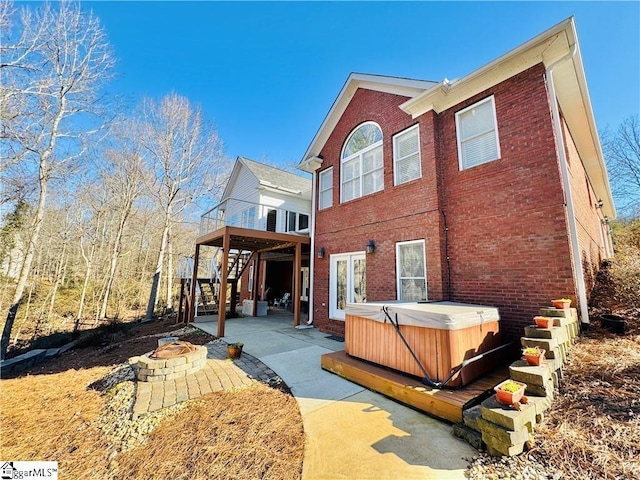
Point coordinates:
[[272, 178], [547, 48], [406, 87]]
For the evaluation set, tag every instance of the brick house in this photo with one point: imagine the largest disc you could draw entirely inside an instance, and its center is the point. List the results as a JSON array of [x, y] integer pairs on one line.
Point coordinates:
[[490, 189]]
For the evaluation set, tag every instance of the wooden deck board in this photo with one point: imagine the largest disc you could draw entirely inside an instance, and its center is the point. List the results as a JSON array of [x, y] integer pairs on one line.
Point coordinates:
[[444, 404]]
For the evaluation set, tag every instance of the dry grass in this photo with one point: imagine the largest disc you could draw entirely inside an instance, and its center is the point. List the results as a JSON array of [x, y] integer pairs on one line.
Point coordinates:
[[52, 417], [247, 434], [593, 430], [50, 414]]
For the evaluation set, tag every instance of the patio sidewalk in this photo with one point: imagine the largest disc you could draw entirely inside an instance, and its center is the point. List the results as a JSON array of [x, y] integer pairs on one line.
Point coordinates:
[[351, 432]]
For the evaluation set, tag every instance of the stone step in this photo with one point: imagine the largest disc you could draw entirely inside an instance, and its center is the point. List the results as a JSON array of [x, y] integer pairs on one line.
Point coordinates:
[[470, 417], [520, 371], [471, 436], [506, 416], [559, 333], [546, 390]]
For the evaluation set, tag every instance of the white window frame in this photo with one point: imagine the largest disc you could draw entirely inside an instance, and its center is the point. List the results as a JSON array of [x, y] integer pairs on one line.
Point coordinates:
[[325, 173], [350, 257], [461, 163], [296, 220], [396, 159], [399, 278], [359, 156]]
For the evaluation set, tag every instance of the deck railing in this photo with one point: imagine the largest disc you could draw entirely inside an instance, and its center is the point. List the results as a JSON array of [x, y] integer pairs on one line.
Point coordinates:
[[254, 216]]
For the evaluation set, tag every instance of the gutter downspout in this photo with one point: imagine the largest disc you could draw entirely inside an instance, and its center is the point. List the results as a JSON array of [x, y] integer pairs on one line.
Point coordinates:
[[564, 170], [312, 253]]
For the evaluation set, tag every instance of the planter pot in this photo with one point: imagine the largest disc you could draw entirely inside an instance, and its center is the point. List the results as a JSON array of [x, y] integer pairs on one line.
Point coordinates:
[[543, 322], [509, 398], [234, 351], [613, 323], [534, 359], [561, 304]]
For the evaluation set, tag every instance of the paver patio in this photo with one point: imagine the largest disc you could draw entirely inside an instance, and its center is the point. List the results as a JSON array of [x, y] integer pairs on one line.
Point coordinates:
[[219, 373]]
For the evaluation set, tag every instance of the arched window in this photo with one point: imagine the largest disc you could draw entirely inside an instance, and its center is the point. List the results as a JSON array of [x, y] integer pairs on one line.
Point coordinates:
[[362, 169]]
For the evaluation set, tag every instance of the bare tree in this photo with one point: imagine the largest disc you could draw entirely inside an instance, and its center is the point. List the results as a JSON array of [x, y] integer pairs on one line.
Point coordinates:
[[622, 153], [123, 175], [184, 156], [54, 65]]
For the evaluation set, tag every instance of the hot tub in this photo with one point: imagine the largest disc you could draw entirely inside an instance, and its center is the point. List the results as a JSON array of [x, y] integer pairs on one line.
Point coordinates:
[[441, 334]]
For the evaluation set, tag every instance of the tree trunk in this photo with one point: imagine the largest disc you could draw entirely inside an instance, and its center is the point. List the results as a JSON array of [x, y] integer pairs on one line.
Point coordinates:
[[169, 271], [26, 266], [115, 254], [156, 276], [87, 275]]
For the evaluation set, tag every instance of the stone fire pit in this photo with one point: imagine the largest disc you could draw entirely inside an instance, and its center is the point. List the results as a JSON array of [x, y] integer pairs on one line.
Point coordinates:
[[170, 361]]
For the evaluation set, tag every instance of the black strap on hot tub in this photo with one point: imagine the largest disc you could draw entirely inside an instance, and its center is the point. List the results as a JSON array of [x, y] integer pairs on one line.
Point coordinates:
[[396, 327], [426, 380]]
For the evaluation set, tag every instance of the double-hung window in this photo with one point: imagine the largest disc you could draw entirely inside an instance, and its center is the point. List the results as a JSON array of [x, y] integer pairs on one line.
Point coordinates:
[[477, 131], [362, 164], [411, 270], [325, 195], [406, 156]]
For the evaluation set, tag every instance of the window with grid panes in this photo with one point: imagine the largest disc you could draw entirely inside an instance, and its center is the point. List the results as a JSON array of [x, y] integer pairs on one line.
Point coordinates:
[[325, 195], [362, 171], [406, 156], [477, 133]]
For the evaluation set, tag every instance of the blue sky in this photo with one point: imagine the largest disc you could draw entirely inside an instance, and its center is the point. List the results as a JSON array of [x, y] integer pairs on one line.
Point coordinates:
[[267, 73]]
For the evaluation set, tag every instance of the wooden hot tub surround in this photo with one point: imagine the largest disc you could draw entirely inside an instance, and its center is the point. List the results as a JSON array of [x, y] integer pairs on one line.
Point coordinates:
[[442, 335]]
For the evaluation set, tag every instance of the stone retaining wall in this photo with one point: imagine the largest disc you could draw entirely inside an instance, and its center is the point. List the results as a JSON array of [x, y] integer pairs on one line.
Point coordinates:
[[159, 370], [505, 431]]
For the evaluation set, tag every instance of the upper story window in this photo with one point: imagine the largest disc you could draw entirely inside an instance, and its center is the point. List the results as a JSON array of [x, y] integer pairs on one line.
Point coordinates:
[[325, 194], [362, 166], [406, 156], [477, 131], [296, 222]]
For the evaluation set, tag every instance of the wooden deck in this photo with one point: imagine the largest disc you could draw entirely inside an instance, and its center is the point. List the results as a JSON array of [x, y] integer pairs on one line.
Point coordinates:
[[444, 404]]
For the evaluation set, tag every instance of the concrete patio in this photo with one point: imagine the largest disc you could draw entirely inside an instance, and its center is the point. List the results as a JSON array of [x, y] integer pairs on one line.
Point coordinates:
[[351, 432]]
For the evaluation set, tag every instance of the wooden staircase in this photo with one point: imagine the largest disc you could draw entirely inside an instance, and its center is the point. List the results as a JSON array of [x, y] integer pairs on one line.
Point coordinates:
[[208, 299]]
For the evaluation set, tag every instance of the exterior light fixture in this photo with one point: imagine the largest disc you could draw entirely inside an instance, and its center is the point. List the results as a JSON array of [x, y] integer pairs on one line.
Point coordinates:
[[371, 246], [321, 252], [606, 219], [600, 203]]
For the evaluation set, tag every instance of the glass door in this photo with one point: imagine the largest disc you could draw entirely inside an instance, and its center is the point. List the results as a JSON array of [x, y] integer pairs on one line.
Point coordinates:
[[348, 282]]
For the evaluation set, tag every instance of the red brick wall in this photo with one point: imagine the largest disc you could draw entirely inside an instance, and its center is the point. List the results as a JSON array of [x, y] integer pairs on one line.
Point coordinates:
[[405, 212], [588, 215], [508, 240], [507, 231]]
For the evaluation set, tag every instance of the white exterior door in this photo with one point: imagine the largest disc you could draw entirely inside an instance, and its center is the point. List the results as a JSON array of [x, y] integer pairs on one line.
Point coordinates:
[[348, 282]]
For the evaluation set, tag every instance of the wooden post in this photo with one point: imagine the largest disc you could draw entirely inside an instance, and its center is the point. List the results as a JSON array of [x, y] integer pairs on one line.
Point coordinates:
[[254, 286], [297, 269], [192, 310], [222, 299]]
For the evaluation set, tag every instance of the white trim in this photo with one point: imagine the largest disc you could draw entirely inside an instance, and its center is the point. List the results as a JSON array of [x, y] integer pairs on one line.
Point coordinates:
[[395, 159], [424, 258], [312, 253], [324, 172], [568, 194], [492, 100]]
